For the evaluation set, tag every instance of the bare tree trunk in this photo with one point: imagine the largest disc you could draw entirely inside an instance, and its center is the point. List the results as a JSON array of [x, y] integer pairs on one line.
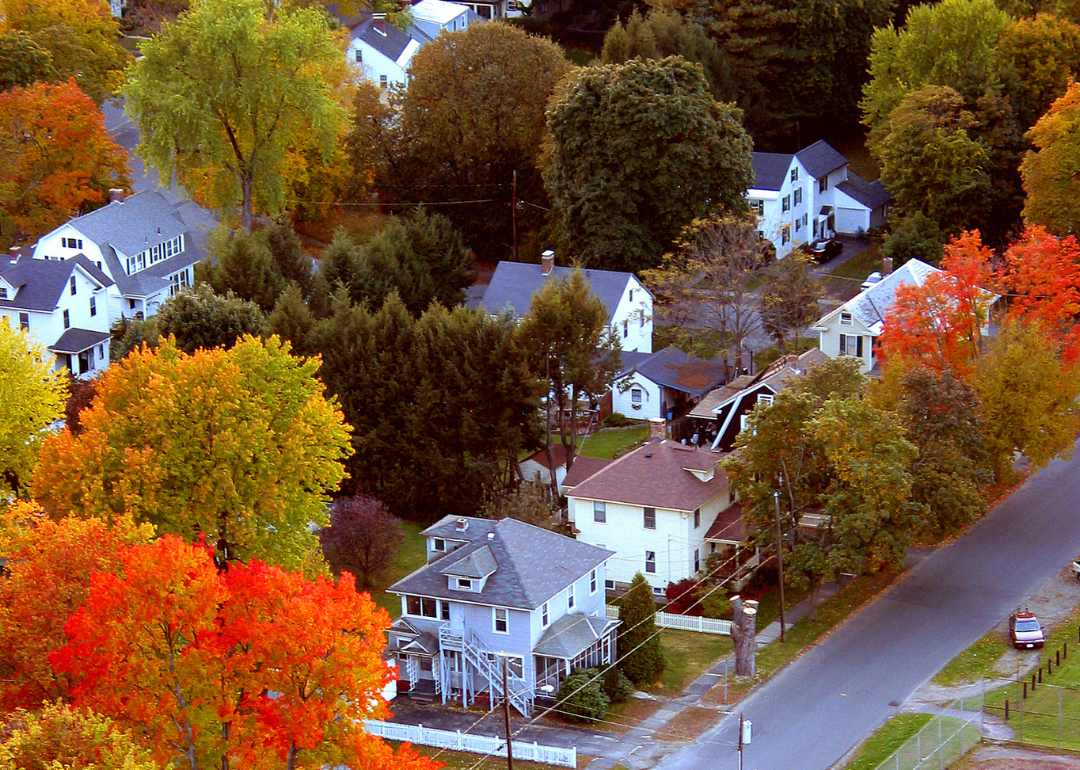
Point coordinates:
[[247, 214], [571, 448], [744, 632]]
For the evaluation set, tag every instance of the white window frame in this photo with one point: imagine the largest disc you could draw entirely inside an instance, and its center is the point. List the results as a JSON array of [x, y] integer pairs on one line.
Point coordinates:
[[609, 585], [545, 616], [650, 562], [845, 319], [697, 518], [766, 398], [795, 174], [592, 583], [798, 196], [599, 511], [697, 560], [570, 598], [785, 205], [67, 320], [645, 517], [464, 584], [438, 544], [635, 395], [495, 620], [93, 306]]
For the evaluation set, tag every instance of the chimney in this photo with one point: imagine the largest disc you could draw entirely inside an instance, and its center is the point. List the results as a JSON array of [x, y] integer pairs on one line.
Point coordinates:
[[547, 262], [116, 195], [14, 251], [886, 266], [378, 21], [462, 525], [658, 428]]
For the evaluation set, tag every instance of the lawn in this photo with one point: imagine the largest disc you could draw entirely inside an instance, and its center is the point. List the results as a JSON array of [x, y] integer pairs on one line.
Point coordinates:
[[609, 443], [975, 662], [687, 655], [886, 740], [768, 355], [845, 281], [411, 555]]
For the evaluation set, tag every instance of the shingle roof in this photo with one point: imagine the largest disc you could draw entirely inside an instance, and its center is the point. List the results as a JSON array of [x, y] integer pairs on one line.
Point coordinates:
[[775, 377], [477, 564], [152, 279], [532, 564], [631, 360], [872, 305], [572, 634], [658, 475], [391, 42], [869, 194], [513, 285], [728, 525], [583, 468], [78, 340], [40, 282], [672, 368], [770, 169], [820, 158], [137, 223]]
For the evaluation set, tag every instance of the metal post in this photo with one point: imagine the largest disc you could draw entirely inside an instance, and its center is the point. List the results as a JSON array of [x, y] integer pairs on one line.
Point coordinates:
[[780, 562], [740, 739], [506, 714]]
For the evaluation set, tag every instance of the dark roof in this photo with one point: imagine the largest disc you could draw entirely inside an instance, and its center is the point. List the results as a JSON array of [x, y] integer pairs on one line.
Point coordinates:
[[78, 340], [770, 169], [477, 565], [391, 42], [572, 634], [820, 158], [631, 360], [672, 368], [513, 285], [39, 283], [728, 525], [657, 474], [583, 468], [531, 564], [137, 223], [870, 194], [557, 449]]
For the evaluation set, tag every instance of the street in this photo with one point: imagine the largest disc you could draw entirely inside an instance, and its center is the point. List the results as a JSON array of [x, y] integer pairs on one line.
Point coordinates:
[[825, 703]]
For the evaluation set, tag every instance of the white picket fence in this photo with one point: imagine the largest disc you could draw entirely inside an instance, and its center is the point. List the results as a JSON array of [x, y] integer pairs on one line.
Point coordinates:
[[477, 744], [684, 622]]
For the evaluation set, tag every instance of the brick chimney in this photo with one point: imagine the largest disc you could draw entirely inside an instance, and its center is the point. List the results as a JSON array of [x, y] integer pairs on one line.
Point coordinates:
[[886, 266], [657, 427], [547, 262], [378, 21], [116, 195]]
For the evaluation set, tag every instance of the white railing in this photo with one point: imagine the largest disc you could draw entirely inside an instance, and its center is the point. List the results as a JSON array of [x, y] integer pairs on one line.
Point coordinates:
[[476, 744], [684, 622]]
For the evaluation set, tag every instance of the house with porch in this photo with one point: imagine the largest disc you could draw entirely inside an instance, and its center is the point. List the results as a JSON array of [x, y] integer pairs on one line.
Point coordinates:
[[653, 507], [721, 414], [63, 304], [139, 243], [494, 591], [812, 194], [663, 384]]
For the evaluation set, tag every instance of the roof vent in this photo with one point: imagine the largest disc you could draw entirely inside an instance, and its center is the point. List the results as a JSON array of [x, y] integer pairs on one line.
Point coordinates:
[[462, 525], [648, 454], [491, 535]]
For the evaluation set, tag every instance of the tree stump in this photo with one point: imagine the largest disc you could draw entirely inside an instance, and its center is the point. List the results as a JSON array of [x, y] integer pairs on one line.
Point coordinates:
[[743, 633]]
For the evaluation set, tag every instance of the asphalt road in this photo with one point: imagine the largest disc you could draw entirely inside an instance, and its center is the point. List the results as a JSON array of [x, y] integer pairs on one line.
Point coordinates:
[[825, 703]]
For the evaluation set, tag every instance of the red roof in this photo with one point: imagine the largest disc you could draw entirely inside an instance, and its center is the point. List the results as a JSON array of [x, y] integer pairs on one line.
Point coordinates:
[[584, 468], [729, 525]]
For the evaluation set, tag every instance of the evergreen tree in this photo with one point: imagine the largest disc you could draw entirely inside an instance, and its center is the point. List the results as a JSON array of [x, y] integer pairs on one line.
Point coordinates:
[[639, 641], [293, 265], [581, 697], [292, 320], [243, 264], [199, 318]]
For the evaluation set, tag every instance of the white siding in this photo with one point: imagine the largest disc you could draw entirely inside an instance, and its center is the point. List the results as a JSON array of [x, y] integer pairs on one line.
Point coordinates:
[[651, 398], [633, 318], [775, 219], [829, 339], [375, 65]]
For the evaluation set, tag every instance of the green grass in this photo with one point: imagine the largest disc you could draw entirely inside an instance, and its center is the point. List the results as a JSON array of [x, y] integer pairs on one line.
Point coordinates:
[[687, 655], [768, 355], [975, 662], [410, 556], [886, 740], [609, 443], [861, 265]]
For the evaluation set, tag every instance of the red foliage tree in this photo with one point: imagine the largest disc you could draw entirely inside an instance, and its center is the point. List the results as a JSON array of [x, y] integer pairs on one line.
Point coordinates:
[[361, 538], [251, 667]]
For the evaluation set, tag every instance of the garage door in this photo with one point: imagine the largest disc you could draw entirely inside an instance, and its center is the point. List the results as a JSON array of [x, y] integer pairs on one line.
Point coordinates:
[[851, 220]]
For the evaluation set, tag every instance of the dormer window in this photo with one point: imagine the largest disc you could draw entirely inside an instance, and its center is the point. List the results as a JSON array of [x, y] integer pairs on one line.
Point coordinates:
[[765, 398], [438, 544], [465, 584], [845, 319], [3, 292]]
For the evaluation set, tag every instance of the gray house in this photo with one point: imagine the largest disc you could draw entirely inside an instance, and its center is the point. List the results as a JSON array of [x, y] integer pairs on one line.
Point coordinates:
[[501, 589]]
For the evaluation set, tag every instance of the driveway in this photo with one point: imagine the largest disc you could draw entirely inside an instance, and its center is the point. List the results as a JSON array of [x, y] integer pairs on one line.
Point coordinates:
[[829, 700]]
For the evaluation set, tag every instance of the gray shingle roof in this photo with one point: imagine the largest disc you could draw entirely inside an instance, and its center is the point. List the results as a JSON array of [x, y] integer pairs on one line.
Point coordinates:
[[572, 634], [137, 223], [154, 278], [513, 285], [478, 564], [770, 169], [40, 282], [391, 42], [820, 158], [872, 305], [532, 564], [672, 368], [869, 194], [78, 340]]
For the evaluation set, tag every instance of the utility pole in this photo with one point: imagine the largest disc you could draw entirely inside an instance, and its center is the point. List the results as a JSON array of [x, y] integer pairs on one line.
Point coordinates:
[[506, 707], [515, 216], [780, 562]]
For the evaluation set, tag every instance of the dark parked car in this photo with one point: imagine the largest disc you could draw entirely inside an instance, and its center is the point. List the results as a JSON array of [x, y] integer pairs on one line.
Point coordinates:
[[1025, 631], [824, 250]]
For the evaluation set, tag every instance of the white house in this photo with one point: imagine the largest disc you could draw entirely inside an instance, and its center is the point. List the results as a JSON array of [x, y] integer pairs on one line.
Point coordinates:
[[853, 328], [139, 243], [653, 507], [497, 9], [812, 194], [501, 588], [382, 51], [437, 16], [628, 302], [64, 304], [662, 384]]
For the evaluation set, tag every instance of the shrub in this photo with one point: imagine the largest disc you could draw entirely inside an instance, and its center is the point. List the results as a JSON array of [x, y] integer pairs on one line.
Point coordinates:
[[682, 597], [616, 685], [581, 697], [617, 420]]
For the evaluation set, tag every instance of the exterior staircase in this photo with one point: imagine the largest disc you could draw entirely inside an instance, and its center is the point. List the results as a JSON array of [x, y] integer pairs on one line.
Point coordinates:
[[479, 657]]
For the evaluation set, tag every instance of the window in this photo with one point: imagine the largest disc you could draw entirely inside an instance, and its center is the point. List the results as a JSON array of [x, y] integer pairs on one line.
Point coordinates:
[[72, 284], [650, 518], [464, 583], [71, 243], [131, 302], [795, 174], [798, 195], [798, 224], [570, 598], [444, 610], [412, 605], [815, 228], [24, 321], [67, 320], [359, 56], [850, 345], [382, 81], [845, 319], [609, 585], [625, 327], [631, 295], [592, 582], [786, 206], [421, 607], [438, 544], [635, 396], [642, 319], [599, 511], [805, 219], [758, 205], [650, 561], [823, 184], [785, 236], [697, 560], [544, 615], [3, 292], [93, 306], [765, 398], [697, 518]]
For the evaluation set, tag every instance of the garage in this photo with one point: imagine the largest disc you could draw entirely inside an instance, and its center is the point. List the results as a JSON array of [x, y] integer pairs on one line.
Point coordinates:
[[852, 220]]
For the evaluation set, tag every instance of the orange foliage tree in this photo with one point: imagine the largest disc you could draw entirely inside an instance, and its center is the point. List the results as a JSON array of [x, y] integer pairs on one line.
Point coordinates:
[[250, 666], [1042, 275], [49, 565], [56, 158], [940, 322]]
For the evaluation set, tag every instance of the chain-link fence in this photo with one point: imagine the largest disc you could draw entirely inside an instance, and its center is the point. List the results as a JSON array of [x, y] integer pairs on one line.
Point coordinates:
[[1037, 712], [948, 736]]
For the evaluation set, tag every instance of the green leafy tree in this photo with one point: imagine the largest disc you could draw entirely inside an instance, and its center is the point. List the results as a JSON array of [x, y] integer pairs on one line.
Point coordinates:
[[1051, 172], [789, 299], [199, 318], [1028, 398], [22, 61], [1037, 58], [235, 134], [32, 396], [530, 501], [635, 152], [566, 338], [473, 115], [913, 236], [639, 641], [581, 697]]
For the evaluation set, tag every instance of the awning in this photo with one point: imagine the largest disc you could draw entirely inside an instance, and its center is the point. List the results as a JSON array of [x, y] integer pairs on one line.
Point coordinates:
[[78, 340], [573, 634]]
